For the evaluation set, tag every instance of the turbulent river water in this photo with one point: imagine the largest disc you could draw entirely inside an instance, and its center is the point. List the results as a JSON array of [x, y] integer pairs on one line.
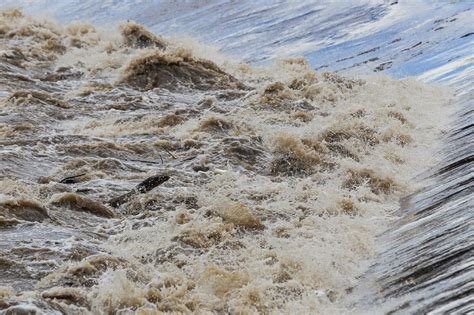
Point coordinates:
[[261, 188]]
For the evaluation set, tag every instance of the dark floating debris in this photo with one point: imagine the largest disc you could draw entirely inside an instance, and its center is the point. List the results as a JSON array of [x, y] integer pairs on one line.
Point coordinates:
[[416, 45], [466, 35], [368, 51], [144, 187], [383, 66], [71, 179], [395, 40], [200, 168]]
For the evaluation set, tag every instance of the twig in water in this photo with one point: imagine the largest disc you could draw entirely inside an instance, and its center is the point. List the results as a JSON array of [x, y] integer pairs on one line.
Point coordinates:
[[145, 161], [174, 157], [71, 179], [189, 158], [144, 187]]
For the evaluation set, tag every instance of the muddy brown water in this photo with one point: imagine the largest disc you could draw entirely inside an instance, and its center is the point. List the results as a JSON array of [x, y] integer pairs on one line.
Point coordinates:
[[280, 177]]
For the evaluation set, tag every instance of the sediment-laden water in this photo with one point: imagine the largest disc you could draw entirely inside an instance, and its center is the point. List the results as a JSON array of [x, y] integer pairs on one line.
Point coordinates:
[[265, 187]]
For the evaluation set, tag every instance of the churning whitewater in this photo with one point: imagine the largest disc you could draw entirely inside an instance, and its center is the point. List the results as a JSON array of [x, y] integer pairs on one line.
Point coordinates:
[[146, 174]]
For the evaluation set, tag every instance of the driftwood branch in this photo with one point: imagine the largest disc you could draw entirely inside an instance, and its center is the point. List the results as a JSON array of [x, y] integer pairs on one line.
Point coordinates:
[[145, 161], [171, 154], [71, 179], [145, 186]]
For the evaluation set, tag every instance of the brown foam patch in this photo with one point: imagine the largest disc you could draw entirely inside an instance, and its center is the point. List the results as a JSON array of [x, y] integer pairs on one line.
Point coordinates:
[[136, 36], [240, 215], [175, 70]]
